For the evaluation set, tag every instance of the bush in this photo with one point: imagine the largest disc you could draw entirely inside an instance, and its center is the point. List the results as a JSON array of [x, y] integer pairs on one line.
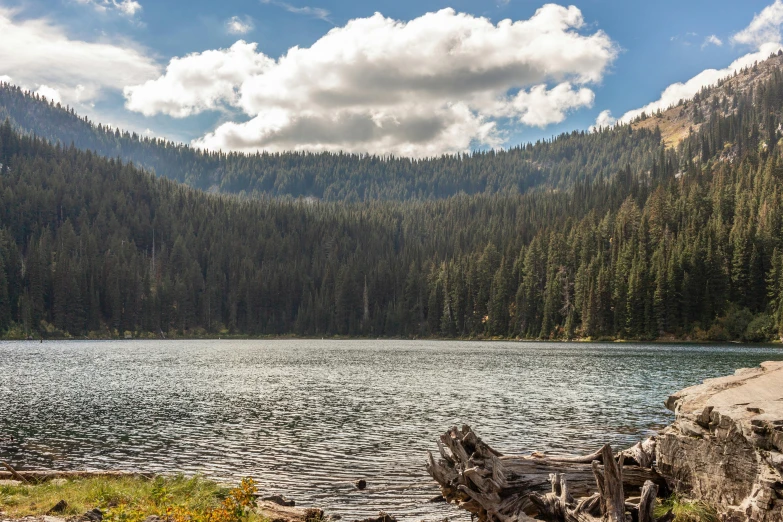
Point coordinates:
[[235, 507], [736, 321], [685, 510], [761, 328], [717, 333]]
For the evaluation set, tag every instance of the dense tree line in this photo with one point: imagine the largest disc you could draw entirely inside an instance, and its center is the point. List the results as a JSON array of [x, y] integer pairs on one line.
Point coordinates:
[[688, 244], [556, 163]]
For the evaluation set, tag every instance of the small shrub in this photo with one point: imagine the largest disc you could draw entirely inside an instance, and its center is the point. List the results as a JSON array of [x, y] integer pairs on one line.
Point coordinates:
[[736, 321], [133, 499], [235, 507], [685, 510], [717, 333], [761, 328]]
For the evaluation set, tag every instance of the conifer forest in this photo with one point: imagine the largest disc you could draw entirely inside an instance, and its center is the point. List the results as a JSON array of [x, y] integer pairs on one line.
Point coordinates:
[[603, 235]]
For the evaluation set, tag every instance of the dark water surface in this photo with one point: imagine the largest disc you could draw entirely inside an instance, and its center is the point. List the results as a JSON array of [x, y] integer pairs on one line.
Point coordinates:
[[307, 418]]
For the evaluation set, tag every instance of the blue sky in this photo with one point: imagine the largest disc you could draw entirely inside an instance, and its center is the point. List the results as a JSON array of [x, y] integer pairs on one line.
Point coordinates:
[[111, 48]]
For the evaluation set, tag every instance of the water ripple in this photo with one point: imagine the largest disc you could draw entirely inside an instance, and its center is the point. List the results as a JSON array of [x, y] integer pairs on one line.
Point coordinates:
[[307, 418]]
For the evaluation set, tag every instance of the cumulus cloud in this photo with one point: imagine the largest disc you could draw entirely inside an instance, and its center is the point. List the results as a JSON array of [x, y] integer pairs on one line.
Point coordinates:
[[198, 82], [420, 133], [763, 33], [712, 40], [604, 120], [539, 107], [764, 28], [436, 84], [127, 8], [237, 25], [4, 78], [37, 52], [49, 93]]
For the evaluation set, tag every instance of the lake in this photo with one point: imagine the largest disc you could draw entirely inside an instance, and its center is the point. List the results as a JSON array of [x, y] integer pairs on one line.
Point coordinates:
[[307, 418]]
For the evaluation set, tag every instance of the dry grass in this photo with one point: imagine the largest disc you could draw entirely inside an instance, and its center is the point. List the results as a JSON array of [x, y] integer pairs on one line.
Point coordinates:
[[674, 123], [130, 499]]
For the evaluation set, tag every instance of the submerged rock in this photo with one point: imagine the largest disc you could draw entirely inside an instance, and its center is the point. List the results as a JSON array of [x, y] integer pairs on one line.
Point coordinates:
[[726, 445], [382, 517], [280, 500], [281, 513]]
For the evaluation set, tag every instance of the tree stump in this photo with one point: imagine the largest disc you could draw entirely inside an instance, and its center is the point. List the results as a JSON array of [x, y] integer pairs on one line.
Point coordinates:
[[510, 488]]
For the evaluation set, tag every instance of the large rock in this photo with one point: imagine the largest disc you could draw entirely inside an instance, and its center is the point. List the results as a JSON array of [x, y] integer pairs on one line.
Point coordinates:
[[726, 444]]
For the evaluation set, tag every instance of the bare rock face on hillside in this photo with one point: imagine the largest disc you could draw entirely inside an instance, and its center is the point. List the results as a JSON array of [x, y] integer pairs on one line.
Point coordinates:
[[726, 444], [676, 123]]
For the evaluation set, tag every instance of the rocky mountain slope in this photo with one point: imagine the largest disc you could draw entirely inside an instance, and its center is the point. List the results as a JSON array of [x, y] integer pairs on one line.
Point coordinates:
[[721, 99]]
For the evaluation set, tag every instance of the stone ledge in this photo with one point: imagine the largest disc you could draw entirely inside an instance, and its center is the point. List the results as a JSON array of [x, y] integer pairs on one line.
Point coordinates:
[[725, 446]]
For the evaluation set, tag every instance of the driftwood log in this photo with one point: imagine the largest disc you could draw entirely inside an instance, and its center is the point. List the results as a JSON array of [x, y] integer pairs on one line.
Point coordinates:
[[15, 474], [514, 488], [43, 476]]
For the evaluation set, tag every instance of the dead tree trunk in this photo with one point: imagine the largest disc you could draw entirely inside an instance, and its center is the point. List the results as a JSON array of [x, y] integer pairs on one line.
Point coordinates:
[[499, 488]]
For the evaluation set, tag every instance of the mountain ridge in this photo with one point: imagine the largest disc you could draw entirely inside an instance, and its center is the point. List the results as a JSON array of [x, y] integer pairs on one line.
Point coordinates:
[[545, 165], [688, 115], [555, 164]]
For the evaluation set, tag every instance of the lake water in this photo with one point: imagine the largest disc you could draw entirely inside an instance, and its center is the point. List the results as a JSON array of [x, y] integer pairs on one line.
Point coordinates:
[[307, 418]]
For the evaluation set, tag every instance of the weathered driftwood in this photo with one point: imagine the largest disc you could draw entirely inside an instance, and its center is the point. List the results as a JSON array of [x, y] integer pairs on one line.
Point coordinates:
[[43, 476], [511, 488], [14, 474]]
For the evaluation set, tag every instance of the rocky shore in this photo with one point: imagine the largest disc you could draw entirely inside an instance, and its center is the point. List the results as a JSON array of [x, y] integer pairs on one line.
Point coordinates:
[[726, 445]]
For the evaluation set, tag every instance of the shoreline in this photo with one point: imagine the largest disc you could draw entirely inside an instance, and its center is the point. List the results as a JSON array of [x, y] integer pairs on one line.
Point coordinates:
[[116, 496], [293, 337]]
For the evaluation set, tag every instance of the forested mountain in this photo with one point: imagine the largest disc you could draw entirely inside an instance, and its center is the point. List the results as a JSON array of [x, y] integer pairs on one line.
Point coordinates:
[[555, 164], [687, 246]]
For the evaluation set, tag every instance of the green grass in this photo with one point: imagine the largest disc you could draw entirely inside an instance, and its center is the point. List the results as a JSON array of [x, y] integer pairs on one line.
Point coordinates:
[[125, 499], [685, 510]]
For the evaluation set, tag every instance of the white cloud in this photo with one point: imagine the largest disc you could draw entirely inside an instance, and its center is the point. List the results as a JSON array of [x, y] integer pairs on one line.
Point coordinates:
[[764, 28], [712, 40], [5, 79], [604, 120], [127, 8], [237, 25], [433, 85], [53, 95], [198, 82], [315, 12], [37, 52], [423, 131], [539, 107]]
